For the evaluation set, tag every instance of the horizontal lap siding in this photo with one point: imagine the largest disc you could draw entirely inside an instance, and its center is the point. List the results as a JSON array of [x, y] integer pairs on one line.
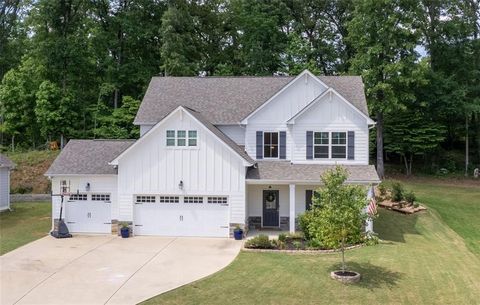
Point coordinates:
[[209, 169]]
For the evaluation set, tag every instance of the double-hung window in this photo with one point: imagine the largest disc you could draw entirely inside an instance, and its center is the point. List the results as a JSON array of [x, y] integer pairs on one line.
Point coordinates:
[[192, 138], [339, 145], [270, 144], [320, 145], [181, 137]]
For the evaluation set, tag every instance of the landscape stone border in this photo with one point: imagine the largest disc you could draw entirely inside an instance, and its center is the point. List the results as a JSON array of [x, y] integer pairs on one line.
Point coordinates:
[[300, 251]]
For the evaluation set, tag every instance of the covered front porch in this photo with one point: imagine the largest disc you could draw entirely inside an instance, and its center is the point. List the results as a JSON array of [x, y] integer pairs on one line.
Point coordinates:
[[279, 191]]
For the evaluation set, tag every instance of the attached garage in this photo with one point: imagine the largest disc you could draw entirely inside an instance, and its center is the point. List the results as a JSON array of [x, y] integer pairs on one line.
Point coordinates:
[[163, 215], [5, 166], [88, 213]]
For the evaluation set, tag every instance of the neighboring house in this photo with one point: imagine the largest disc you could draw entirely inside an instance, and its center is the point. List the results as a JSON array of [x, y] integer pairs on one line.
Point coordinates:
[[216, 152], [5, 166]]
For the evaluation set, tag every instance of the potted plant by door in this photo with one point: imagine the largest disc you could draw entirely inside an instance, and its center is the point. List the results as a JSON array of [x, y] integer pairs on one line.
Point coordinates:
[[238, 233], [125, 230]]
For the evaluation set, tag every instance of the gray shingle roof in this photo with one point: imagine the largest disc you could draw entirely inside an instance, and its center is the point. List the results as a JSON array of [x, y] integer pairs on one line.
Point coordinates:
[[239, 150], [83, 157], [228, 100], [5, 162], [286, 171]]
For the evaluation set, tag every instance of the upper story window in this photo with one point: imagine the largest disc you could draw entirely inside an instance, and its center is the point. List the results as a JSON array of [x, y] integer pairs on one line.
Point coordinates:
[[330, 145], [339, 145], [320, 145], [270, 144], [181, 138]]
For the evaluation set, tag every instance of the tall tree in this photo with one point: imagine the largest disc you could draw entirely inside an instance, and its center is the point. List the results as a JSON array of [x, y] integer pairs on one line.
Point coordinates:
[[384, 39]]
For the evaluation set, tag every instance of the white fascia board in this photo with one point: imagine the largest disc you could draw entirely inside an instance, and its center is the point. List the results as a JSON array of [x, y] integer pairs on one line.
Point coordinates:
[[156, 126], [305, 72], [323, 94], [305, 182]]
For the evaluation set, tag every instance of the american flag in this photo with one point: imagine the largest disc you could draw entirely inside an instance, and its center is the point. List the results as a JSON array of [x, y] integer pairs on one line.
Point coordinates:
[[372, 207]]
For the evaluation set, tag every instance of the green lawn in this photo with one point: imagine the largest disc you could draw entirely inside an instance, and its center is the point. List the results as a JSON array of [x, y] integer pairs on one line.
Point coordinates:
[[458, 206], [25, 223], [421, 260]]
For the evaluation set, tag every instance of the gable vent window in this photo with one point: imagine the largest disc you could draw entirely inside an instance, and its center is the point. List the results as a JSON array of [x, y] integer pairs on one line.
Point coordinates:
[[218, 200], [320, 145], [339, 145], [169, 199], [182, 138], [144, 199], [193, 199], [101, 197], [270, 144], [192, 138], [78, 197], [170, 137]]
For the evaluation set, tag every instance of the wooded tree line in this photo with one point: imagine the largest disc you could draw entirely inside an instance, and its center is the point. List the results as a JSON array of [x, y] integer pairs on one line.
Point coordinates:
[[78, 68]]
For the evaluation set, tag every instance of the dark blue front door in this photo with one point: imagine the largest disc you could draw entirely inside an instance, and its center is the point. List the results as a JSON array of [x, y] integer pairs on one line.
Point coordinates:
[[270, 208]]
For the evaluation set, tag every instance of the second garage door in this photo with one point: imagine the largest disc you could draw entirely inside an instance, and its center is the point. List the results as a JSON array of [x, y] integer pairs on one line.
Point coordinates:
[[202, 216], [88, 214]]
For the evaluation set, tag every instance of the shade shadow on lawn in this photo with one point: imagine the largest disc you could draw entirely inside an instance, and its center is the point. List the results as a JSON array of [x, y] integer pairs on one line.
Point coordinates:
[[373, 277], [393, 226]]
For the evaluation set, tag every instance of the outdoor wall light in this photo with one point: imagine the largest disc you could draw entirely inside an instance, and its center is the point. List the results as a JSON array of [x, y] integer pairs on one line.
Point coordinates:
[[180, 185], [87, 187]]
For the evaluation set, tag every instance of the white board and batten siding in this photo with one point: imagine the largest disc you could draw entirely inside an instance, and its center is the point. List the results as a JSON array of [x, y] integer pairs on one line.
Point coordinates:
[[329, 113], [4, 188], [152, 168], [99, 184]]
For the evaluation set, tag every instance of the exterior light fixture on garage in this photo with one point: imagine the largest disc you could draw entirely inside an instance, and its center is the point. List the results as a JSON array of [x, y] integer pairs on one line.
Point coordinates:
[[180, 185]]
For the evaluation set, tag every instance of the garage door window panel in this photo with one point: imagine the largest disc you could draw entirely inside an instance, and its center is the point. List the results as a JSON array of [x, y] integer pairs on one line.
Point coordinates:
[[217, 200], [193, 199], [169, 199], [78, 197], [101, 197], [144, 199]]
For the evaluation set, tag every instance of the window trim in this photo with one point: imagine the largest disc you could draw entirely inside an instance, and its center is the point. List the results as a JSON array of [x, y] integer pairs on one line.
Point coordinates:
[[176, 138], [278, 145], [321, 145], [330, 144]]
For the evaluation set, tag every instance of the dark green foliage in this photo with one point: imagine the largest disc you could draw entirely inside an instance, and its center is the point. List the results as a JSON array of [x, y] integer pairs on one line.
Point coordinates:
[[410, 197], [398, 192], [259, 242], [382, 188]]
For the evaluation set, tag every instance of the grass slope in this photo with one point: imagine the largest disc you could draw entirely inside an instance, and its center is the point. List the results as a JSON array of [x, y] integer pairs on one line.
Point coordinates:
[[25, 223], [420, 261], [30, 168], [458, 206]]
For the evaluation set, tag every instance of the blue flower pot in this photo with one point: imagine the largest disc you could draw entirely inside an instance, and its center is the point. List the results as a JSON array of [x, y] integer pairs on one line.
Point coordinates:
[[125, 232], [238, 234]]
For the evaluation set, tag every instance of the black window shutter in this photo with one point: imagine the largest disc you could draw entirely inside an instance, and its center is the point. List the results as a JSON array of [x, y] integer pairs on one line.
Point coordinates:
[[259, 144], [308, 199], [309, 145], [351, 145], [283, 144]]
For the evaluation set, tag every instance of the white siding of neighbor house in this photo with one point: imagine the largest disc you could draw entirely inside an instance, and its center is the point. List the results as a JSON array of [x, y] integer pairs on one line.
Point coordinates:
[[234, 132], [211, 168], [255, 198], [144, 129], [4, 188], [106, 184], [330, 113]]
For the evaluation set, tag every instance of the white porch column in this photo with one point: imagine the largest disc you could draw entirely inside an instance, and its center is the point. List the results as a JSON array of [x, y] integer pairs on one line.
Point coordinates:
[[369, 223], [292, 208]]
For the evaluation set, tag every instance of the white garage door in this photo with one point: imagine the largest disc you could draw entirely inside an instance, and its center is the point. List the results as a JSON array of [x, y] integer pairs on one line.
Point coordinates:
[[182, 216], [88, 214]]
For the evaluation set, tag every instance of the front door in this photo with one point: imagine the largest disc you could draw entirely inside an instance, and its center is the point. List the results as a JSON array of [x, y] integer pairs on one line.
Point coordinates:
[[270, 208]]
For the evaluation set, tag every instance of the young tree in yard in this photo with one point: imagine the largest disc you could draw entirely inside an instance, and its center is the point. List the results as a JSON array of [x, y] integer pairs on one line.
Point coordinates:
[[338, 211], [382, 34]]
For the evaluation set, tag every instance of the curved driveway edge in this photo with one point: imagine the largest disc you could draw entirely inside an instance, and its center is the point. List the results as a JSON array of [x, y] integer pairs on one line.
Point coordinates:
[[106, 269]]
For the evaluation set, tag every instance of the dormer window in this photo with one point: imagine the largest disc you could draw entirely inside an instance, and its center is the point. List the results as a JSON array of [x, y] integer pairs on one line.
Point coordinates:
[[270, 144]]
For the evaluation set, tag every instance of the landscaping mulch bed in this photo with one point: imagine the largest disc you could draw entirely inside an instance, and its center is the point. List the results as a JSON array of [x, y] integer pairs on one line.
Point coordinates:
[[402, 208], [310, 251]]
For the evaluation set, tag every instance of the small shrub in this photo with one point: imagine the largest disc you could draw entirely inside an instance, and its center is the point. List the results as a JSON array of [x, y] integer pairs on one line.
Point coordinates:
[[295, 236], [313, 245], [382, 188], [371, 239], [297, 244], [410, 197], [278, 244], [282, 237], [304, 222], [397, 192], [416, 205], [259, 242]]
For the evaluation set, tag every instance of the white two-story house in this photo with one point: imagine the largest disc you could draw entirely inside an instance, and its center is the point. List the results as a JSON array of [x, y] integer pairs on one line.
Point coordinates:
[[217, 152]]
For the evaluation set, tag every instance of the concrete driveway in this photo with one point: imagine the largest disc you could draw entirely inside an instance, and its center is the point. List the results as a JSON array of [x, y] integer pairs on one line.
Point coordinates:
[[105, 269]]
